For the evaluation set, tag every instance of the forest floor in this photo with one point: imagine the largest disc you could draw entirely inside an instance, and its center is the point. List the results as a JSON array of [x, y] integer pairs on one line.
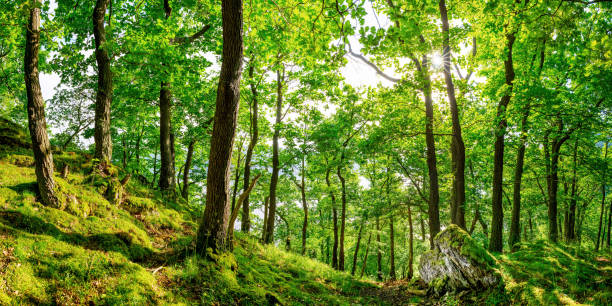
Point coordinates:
[[141, 252]]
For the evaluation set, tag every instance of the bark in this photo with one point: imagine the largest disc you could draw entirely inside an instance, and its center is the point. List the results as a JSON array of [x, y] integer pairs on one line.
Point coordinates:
[[154, 168], [213, 225], [342, 217], [603, 200], [379, 274], [422, 229], [102, 137], [187, 168], [265, 221], [553, 185], [570, 220], [434, 193], [269, 230], [391, 249], [365, 257], [245, 225], [357, 248], [37, 124], [237, 178], [334, 220], [457, 145], [302, 188], [497, 221], [166, 172], [410, 245]]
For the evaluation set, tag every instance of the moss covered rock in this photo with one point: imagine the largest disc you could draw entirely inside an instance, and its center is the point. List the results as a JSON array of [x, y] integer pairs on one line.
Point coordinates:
[[458, 263]]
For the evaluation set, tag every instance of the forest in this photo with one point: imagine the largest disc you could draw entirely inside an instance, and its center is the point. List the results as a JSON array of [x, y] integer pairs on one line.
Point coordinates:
[[290, 152]]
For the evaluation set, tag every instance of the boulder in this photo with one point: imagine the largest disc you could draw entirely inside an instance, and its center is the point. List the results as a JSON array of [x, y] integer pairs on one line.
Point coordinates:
[[458, 263]]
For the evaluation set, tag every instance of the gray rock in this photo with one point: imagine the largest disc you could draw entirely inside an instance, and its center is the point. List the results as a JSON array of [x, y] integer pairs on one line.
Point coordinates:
[[458, 263]]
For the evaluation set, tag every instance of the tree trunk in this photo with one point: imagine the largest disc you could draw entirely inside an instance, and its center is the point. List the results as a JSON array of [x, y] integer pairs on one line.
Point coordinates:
[[457, 145], [269, 232], [515, 235], [265, 220], [334, 220], [154, 168], [553, 185], [343, 216], [237, 178], [245, 225], [497, 221], [391, 249], [379, 274], [365, 257], [434, 193], [36, 112], [410, 245], [166, 173], [304, 204], [235, 210], [570, 232], [603, 199], [185, 191], [357, 248], [213, 225], [102, 137], [422, 229]]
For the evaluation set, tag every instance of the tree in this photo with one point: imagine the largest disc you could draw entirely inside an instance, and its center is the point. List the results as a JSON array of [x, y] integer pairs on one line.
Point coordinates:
[[104, 94], [213, 226]]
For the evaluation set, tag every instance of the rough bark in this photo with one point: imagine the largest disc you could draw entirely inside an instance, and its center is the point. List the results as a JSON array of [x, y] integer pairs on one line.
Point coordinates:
[[213, 225], [186, 169], [37, 124], [245, 225], [166, 172], [269, 231], [457, 145], [102, 137], [497, 221]]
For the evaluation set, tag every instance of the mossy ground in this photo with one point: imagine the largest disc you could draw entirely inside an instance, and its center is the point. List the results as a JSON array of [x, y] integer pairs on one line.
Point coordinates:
[[139, 252]]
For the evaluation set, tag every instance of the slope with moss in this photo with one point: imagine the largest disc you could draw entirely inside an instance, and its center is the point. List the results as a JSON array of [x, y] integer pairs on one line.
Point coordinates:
[[137, 250]]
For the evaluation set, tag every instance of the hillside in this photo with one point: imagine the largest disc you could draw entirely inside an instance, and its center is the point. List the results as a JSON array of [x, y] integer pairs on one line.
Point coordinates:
[[140, 251]]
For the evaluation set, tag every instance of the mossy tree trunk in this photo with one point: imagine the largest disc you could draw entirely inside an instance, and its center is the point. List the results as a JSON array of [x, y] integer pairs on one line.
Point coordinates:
[[102, 137]]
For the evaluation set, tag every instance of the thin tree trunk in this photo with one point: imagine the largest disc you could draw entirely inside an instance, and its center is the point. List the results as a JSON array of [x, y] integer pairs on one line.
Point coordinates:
[[391, 249], [343, 216], [269, 232], [36, 111], [497, 221], [457, 145], [265, 221], [410, 245], [603, 199], [237, 178], [365, 257], [379, 274], [245, 225], [234, 215], [334, 220], [304, 204], [154, 168], [185, 191], [570, 232], [102, 137], [213, 225], [422, 229], [166, 173], [357, 248]]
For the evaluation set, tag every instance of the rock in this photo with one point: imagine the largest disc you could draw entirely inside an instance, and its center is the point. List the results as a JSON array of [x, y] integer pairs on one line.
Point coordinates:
[[458, 263]]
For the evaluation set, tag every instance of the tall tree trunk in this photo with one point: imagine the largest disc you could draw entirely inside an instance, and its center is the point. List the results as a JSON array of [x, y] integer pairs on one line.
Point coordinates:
[[434, 193], [379, 274], [342, 217], [365, 257], [603, 198], [334, 220], [391, 249], [553, 185], [570, 232], [213, 226], [497, 221], [410, 245], [36, 111], [304, 204], [166, 173], [265, 220], [245, 224], [102, 137], [457, 145], [269, 232], [185, 191], [357, 248]]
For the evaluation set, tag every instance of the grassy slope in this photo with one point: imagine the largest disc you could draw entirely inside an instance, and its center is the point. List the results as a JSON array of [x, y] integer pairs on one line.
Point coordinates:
[[139, 252], [136, 252]]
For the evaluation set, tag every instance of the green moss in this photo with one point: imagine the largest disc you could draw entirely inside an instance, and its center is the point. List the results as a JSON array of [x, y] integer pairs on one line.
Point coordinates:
[[137, 205]]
